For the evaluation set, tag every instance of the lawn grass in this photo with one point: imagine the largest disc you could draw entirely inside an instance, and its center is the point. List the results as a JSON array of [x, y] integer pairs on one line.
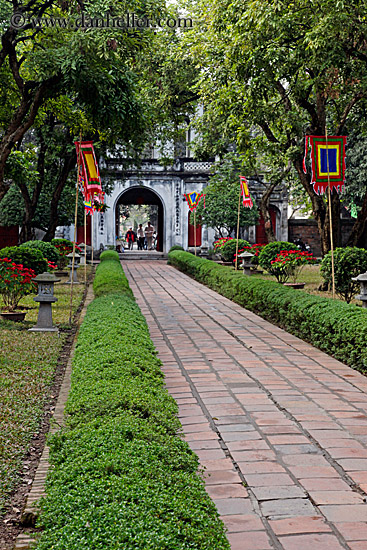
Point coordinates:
[[28, 362]]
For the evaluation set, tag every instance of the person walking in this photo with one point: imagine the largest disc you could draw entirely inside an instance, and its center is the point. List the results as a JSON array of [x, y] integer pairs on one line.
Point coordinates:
[[149, 230], [141, 237], [131, 238]]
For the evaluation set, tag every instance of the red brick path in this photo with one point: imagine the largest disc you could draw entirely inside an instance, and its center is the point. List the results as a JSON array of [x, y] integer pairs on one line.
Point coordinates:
[[260, 406]]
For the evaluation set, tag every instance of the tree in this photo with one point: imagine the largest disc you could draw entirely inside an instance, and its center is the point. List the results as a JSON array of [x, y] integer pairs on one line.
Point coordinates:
[[221, 199], [39, 65], [273, 72]]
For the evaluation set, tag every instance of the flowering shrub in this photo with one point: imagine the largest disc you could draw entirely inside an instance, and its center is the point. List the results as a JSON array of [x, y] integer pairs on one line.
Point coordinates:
[[64, 247], [32, 258], [228, 249], [15, 282], [255, 249], [51, 266], [289, 264], [269, 252], [220, 242]]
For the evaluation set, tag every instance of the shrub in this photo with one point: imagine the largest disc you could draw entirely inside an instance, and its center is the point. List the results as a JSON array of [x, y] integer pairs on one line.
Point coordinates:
[[110, 277], [270, 252], [30, 258], [255, 249], [109, 255], [220, 242], [121, 477], [15, 282], [228, 249], [64, 247], [333, 326], [176, 247], [289, 264], [348, 262], [49, 251]]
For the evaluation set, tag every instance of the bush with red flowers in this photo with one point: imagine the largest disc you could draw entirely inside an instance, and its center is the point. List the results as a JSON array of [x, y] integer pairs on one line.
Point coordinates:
[[220, 242], [255, 249], [15, 282], [64, 247], [289, 264]]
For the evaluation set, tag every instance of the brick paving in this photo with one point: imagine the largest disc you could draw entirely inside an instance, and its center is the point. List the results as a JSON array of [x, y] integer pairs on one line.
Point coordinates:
[[280, 427]]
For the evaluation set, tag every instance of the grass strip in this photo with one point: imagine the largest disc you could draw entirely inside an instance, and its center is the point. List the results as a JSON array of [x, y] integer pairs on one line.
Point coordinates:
[[28, 363], [122, 476], [335, 327]]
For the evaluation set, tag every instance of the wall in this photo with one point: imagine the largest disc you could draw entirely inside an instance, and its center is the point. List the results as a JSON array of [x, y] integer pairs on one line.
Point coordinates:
[[306, 230], [9, 236]]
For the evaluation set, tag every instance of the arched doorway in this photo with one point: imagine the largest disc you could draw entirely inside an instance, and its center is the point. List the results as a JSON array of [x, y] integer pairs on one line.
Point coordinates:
[[141, 197]]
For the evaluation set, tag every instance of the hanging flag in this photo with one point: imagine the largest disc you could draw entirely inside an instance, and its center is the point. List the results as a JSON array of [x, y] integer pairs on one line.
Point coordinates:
[[88, 206], [327, 162], [193, 199], [89, 178], [246, 197]]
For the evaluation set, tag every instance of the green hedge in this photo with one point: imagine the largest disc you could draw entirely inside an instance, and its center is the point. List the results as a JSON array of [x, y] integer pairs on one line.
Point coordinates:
[[335, 327], [110, 277], [121, 476]]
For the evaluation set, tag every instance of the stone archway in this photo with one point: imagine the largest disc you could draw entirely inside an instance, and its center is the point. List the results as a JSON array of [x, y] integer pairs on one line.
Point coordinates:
[[140, 195]]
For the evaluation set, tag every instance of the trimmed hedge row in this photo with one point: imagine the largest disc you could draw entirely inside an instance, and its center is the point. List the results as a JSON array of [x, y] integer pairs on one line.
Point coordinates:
[[335, 327], [110, 278], [121, 476]]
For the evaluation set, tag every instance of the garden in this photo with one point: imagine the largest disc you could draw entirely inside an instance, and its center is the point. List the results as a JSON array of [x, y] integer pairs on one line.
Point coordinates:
[[31, 364], [285, 263], [122, 437], [337, 326]]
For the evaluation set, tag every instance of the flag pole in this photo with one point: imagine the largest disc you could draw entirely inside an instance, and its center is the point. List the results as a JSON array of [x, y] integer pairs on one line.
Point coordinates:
[[195, 230], [85, 246], [75, 229], [330, 216], [91, 236], [238, 226]]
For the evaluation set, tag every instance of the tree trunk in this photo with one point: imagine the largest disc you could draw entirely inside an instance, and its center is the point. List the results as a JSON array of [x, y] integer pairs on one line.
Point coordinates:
[[264, 209], [359, 226], [321, 211], [69, 163]]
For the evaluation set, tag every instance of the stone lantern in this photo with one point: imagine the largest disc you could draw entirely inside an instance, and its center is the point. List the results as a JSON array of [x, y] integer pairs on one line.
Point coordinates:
[[82, 247], [45, 297], [362, 280], [246, 262], [70, 266]]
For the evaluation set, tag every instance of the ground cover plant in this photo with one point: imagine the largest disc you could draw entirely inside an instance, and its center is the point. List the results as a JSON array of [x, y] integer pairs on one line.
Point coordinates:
[[335, 327], [27, 366], [122, 477]]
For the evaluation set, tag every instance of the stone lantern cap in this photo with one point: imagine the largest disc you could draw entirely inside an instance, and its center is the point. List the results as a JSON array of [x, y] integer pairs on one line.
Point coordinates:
[[362, 278], [46, 277], [71, 255], [246, 255]]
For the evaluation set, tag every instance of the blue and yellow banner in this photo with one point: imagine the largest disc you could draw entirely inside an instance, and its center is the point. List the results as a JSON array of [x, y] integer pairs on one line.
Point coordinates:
[[327, 156]]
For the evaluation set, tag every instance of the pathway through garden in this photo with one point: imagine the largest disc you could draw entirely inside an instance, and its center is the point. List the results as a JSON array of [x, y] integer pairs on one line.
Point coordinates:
[[260, 406]]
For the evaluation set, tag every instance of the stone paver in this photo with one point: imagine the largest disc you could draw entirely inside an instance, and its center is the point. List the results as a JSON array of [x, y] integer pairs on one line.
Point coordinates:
[[280, 427]]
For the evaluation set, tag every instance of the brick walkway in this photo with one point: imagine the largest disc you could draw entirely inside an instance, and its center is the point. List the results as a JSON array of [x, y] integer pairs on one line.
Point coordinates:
[[262, 407]]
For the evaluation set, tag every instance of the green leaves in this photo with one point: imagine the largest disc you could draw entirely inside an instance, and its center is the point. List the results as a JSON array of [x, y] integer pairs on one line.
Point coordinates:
[[122, 443], [335, 327]]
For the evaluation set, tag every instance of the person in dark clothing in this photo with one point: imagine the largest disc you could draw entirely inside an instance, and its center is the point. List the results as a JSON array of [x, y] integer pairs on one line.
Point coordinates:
[[141, 237], [131, 238]]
